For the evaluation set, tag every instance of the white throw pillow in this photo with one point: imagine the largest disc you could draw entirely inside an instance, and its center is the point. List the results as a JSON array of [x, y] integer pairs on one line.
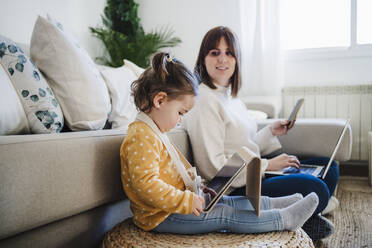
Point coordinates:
[[133, 67], [71, 73], [13, 119], [123, 110], [43, 112], [257, 115]]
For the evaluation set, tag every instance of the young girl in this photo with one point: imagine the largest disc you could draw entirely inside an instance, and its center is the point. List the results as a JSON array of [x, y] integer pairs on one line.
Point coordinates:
[[155, 176]]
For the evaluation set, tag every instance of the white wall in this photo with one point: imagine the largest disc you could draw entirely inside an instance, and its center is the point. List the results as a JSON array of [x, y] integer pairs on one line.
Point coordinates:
[[17, 19], [321, 72], [190, 19]]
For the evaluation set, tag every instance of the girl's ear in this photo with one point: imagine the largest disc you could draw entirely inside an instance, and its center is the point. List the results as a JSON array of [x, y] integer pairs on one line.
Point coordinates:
[[159, 99]]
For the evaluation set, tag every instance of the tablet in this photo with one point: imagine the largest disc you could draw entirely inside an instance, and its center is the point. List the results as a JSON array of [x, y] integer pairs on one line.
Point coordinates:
[[229, 172]]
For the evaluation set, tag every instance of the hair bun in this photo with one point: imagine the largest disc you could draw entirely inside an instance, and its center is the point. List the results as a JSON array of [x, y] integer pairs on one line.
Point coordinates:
[[159, 64]]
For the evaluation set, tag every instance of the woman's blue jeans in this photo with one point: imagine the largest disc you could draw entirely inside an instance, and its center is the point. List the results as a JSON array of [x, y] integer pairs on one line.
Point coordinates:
[[231, 214], [302, 183]]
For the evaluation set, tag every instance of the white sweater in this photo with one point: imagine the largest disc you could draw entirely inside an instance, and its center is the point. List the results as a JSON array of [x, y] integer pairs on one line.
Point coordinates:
[[218, 126]]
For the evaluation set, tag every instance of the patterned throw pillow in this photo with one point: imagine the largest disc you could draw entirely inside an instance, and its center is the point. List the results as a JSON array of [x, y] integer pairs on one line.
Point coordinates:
[[13, 119], [72, 74], [41, 107]]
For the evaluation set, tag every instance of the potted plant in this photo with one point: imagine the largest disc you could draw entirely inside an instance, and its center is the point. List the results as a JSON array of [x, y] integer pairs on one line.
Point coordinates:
[[124, 38]]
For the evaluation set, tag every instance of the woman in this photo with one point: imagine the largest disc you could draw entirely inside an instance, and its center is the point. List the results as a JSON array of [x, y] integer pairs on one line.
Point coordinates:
[[219, 124]]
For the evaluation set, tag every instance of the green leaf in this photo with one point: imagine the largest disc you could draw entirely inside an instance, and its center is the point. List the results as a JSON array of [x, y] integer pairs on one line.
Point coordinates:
[[34, 98], [11, 71], [19, 67], [42, 92], [124, 37], [22, 59], [25, 93], [12, 48]]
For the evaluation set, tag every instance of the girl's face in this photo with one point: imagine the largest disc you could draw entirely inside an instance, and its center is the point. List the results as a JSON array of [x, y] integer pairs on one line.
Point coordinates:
[[167, 113], [220, 63]]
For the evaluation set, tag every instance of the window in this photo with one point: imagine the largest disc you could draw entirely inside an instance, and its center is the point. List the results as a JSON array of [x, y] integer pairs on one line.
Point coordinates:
[[326, 28], [364, 22]]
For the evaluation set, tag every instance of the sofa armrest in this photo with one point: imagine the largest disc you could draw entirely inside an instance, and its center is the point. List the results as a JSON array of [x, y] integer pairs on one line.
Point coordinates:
[[315, 137]]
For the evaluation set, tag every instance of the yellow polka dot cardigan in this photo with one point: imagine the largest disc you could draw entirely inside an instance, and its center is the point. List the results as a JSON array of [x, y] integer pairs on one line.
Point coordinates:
[[150, 179]]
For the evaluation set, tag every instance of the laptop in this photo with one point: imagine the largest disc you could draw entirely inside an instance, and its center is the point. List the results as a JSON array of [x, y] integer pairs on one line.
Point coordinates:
[[315, 170], [230, 171]]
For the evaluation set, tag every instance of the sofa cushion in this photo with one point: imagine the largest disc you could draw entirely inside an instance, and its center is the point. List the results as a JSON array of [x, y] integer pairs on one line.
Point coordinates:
[[133, 67], [43, 112], [72, 74], [75, 172], [85, 229], [123, 109], [312, 137], [257, 115]]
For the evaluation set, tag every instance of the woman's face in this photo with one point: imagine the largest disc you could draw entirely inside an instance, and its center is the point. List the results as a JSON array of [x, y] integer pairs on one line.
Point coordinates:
[[220, 63]]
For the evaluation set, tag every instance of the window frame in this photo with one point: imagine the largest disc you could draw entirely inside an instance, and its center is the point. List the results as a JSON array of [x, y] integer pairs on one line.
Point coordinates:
[[352, 51]]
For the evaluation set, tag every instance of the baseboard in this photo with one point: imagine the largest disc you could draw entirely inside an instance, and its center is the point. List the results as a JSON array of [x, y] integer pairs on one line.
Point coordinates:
[[357, 168]]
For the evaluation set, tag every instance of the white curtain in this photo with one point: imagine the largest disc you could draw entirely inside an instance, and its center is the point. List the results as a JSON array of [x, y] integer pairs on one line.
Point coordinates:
[[262, 67]]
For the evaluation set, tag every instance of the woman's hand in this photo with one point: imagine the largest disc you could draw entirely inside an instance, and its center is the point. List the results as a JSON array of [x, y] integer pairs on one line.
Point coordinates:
[[197, 205], [209, 191], [279, 127], [282, 161]]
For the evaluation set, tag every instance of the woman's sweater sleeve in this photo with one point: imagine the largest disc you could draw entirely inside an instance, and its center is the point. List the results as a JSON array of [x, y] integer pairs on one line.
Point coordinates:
[[266, 141], [143, 155], [206, 129]]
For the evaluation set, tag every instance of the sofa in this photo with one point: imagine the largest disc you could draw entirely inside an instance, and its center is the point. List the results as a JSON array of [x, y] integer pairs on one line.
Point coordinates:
[[71, 194], [63, 189]]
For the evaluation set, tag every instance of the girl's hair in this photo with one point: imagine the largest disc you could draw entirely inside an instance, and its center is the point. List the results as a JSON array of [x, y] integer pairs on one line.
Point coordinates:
[[166, 74], [210, 41]]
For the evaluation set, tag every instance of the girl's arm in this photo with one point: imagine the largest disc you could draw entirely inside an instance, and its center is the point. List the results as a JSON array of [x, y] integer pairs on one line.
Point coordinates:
[[143, 156]]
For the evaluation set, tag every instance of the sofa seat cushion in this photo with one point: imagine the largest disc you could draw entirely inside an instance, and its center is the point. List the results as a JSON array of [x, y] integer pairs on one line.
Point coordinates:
[[54, 176], [126, 234]]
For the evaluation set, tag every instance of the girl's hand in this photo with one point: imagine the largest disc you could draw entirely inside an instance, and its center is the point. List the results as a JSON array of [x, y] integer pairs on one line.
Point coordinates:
[[279, 127], [209, 191], [282, 161], [197, 205]]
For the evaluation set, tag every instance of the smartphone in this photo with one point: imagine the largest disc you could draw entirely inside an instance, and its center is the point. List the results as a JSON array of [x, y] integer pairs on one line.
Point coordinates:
[[292, 116]]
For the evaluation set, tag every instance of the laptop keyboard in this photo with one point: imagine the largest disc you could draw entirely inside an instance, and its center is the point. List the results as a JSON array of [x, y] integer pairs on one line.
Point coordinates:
[[307, 170]]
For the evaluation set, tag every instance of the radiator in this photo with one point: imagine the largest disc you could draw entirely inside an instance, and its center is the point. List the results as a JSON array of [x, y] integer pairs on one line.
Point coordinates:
[[349, 101]]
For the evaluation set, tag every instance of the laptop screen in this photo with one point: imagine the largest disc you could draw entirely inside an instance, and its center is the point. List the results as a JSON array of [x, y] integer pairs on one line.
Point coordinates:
[[336, 148]]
